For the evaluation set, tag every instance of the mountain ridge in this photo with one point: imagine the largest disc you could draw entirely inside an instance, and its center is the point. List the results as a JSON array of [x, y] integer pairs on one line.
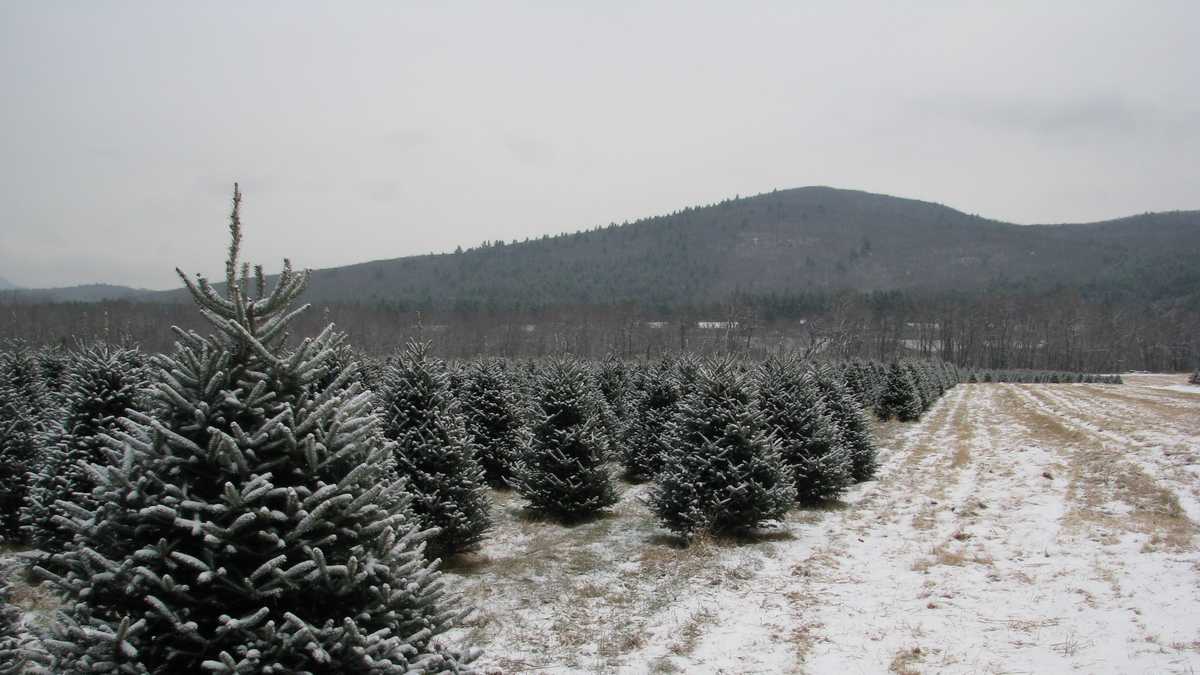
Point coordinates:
[[815, 238]]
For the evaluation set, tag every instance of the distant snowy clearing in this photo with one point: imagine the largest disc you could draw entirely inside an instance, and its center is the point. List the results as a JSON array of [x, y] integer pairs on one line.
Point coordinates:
[[1016, 529]]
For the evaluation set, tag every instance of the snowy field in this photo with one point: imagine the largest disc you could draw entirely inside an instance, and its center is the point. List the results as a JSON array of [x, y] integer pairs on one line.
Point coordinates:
[[1015, 529]]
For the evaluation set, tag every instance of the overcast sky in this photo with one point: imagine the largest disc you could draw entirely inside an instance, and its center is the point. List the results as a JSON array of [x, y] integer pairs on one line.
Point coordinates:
[[363, 130]]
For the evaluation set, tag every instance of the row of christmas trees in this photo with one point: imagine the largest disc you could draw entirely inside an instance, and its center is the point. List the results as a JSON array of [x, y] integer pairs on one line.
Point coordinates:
[[488, 421], [1039, 377], [730, 446]]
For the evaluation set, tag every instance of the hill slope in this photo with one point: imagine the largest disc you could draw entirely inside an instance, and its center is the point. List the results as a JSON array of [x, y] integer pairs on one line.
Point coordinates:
[[783, 242], [786, 242]]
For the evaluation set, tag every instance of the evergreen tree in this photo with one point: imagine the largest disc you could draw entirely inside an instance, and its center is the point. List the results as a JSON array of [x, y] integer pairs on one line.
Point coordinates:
[[54, 366], [853, 426], [900, 398], [647, 437], [249, 525], [724, 472], [23, 403], [613, 382], [920, 385], [562, 471], [100, 385], [433, 451], [807, 435], [494, 419], [10, 625]]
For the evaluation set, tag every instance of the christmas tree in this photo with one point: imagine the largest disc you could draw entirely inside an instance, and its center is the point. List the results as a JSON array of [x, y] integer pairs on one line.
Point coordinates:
[[613, 381], [900, 398], [808, 439], [24, 407], [100, 385], [853, 426], [724, 472], [433, 451], [494, 420], [250, 524], [648, 434], [563, 471]]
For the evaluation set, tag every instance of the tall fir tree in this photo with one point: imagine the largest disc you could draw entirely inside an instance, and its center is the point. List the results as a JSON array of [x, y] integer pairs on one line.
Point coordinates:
[[24, 424], [900, 398], [648, 435], [100, 384], [613, 381], [821, 466], [494, 419], [421, 414], [563, 472], [10, 627], [250, 524], [724, 473], [853, 426]]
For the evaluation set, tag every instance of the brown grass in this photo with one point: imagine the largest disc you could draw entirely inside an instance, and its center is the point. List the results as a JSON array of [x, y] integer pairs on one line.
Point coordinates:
[[1098, 474], [906, 660]]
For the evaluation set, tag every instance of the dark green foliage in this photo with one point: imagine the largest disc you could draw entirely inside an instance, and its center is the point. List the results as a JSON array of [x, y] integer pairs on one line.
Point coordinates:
[[613, 382], [101, 383], [24, 404], [250, 525], [563, 470], [10, 618], [920, 384], [724, 472], [647, 437], [900, 398], [853, 426], [808, 439], [421, 414], [494, 419]]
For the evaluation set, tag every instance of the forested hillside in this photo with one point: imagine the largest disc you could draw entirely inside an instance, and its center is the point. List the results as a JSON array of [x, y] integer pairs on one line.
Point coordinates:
[[813, 239], [781, 243], [869, 275]]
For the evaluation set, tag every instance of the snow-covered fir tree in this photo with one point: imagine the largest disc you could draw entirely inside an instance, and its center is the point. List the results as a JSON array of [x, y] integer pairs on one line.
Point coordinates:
[[24, 406], [724, 473], [10, 618], [920, 384], [495, 422], [899, 398], [613, 382], [250, 525], [54, 364], [563, 471], [648, 434], [854, 428], [808, 437], [101, 383], [433, 451]]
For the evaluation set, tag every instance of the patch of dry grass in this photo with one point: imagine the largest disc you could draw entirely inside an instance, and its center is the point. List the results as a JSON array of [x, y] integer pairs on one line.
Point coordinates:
[[906, 660], [1098, 474]]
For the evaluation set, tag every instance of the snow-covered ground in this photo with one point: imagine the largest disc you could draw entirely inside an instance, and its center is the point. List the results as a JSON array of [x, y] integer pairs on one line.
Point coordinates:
[[1015, 529]]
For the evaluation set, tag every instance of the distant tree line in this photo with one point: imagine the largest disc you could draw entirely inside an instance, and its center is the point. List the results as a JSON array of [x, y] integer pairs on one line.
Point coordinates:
[[1057, 330]]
